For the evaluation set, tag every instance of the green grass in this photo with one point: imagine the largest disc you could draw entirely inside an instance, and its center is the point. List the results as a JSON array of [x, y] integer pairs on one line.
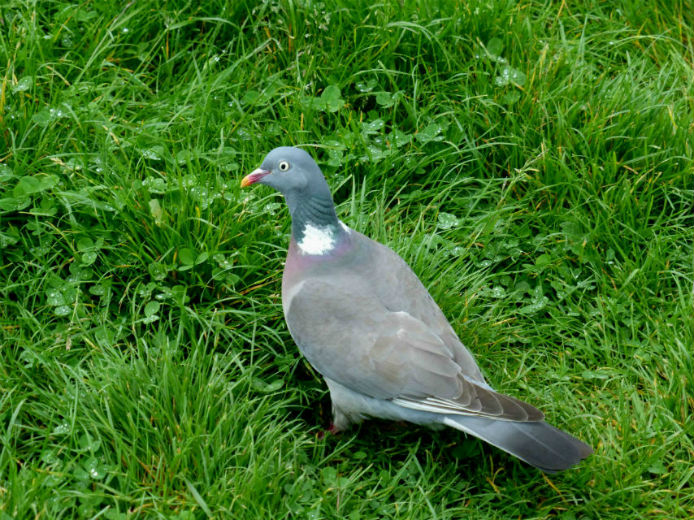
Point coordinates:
[[531, 160]]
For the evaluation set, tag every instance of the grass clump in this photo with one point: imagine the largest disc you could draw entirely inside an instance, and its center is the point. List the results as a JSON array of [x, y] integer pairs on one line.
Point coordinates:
[[531, 161]]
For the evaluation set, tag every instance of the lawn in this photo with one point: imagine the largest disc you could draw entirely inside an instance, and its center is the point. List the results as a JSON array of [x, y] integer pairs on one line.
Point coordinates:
[[531, 160]]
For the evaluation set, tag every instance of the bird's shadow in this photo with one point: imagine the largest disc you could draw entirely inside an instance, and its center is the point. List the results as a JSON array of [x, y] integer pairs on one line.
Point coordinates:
[[399, 440], [394, 442]]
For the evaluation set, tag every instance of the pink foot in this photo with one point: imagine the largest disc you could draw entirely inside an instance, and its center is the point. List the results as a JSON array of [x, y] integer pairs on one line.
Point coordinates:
[[331, 429]]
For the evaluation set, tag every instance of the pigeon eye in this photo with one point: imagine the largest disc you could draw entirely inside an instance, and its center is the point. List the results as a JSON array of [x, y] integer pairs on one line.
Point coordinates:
[[283, 166]]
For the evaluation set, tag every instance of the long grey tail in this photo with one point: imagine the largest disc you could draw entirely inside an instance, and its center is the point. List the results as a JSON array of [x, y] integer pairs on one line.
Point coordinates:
[[537, 443]]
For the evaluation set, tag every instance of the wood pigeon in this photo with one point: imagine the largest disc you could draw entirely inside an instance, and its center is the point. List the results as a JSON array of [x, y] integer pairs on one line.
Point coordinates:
[[366, 322]]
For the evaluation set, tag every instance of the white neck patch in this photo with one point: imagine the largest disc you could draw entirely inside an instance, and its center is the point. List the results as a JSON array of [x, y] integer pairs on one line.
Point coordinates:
[[319, 240]]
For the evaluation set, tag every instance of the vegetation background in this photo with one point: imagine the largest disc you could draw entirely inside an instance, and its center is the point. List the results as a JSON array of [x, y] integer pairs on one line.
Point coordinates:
[[532, 160]]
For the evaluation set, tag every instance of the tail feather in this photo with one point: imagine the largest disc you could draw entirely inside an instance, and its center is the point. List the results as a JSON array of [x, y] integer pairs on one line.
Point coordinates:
[[537, 443]]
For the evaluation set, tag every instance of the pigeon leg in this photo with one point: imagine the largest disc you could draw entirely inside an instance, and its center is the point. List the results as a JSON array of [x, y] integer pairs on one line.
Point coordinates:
[[332, 429]]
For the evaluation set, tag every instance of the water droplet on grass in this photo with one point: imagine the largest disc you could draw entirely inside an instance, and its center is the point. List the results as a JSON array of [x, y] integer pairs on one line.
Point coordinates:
[[97, 290], [447, 220], [375, 153], [62, 310], [242, 133], [509, 75], [55, 297], [431, 132], [152, 308], [497, 292], [95, 469], [89, 257], [371, 127], [400, 138], [151, 153], [61, 429], [23, 84], [155, 184], [272, 207], [49, 457], [367, 86]]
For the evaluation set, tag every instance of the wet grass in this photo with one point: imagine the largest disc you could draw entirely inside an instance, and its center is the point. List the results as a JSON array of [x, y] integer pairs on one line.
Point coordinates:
[[533, 163]]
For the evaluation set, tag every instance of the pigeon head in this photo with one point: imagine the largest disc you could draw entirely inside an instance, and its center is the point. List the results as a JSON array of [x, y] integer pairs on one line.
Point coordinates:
[[294, 173]]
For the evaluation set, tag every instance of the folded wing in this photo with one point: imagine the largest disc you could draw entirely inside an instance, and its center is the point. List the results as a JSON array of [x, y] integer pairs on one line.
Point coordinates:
[[349, 336]]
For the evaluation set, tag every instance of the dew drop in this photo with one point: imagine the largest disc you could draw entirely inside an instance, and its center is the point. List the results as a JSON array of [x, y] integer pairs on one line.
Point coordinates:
[[61, 429]]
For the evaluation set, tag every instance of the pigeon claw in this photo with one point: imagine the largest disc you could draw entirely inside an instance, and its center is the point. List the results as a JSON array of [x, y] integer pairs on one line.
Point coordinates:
[[332, 429]]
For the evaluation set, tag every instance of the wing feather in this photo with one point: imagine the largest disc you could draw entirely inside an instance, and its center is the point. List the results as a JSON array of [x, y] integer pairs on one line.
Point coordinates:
[[350, 337]]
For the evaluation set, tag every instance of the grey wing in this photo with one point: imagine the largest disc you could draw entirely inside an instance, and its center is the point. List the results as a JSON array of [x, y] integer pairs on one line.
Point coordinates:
[[399, 288], [349, 336]]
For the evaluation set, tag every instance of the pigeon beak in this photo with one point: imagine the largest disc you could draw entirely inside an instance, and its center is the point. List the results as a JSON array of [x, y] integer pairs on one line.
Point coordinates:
[[254, 177]]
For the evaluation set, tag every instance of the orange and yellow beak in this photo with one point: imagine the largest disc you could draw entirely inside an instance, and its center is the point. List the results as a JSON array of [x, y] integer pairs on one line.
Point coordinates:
[[253, 177]]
